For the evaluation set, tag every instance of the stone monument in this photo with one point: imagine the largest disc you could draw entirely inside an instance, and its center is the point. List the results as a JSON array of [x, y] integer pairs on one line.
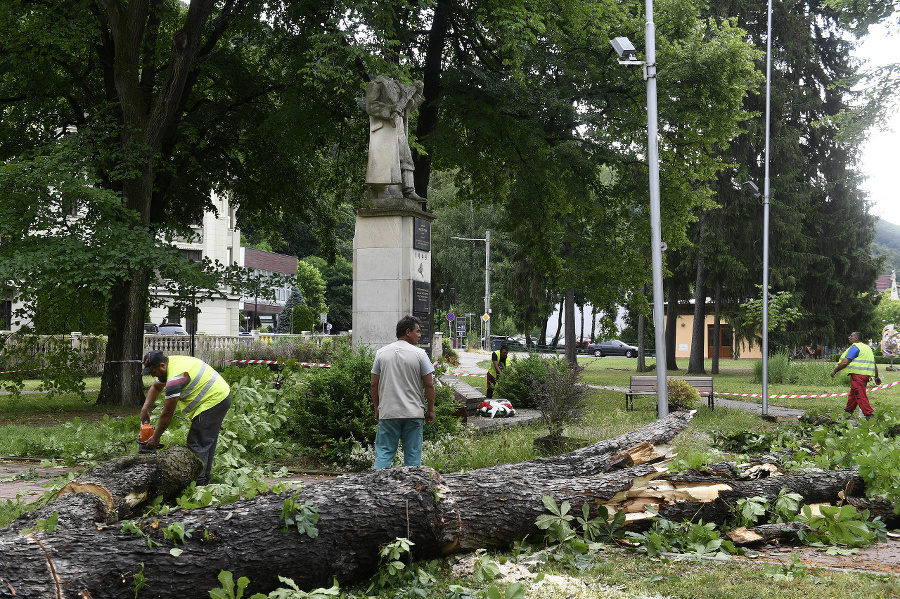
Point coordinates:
[[392, 243]]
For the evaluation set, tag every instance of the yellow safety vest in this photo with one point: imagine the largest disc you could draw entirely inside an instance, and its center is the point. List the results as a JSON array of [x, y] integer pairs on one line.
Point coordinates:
[[864, 363], [205, 389]]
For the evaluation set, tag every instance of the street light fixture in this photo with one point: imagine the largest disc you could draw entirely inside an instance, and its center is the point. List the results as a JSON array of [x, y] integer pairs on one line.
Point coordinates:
[[625, 49], [487, 283]]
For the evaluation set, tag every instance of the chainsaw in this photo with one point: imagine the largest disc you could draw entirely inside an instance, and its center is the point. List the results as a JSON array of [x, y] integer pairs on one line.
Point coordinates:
[[147, 431]]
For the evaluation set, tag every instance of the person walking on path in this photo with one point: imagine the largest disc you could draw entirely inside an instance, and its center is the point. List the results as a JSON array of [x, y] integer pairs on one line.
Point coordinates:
[[196, 389], [859, 361], [498, 363], [400, 373]]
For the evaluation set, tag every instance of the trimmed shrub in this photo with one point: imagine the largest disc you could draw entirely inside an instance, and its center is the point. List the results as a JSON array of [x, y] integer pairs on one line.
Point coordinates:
[[515, 382], [331, 410], [682, 396], [559, 396]]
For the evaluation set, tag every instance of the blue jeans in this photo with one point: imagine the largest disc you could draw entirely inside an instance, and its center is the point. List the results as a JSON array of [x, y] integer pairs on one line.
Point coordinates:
[[393, 430]]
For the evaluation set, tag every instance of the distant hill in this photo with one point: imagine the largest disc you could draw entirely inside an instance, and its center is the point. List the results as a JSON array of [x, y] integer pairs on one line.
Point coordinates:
[[887, 244]]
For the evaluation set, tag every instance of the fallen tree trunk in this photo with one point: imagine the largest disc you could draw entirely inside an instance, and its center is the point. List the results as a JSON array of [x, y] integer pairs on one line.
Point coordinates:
[[112, 490], [489, 507]]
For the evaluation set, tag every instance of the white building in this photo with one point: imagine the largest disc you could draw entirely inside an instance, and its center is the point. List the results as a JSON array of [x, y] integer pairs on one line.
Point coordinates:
[[218, 238]]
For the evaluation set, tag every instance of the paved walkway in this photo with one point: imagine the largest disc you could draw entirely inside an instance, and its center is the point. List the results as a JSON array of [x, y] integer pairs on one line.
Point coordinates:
[[468, 363]]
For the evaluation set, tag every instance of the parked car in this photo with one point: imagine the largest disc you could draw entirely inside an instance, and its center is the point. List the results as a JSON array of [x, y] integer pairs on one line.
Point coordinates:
[[613, 347], [164, 329]]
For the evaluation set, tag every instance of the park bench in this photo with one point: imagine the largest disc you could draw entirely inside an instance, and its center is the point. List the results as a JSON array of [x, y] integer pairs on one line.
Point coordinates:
[[646, 385]]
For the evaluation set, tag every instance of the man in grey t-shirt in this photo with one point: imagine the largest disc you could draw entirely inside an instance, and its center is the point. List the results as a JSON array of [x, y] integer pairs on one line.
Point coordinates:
[[400, 373]]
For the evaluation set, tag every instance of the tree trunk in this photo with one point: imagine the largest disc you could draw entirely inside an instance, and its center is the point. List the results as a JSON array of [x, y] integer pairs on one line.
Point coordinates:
[[698, 334], [671, 323], [122, 383], [111, 491], [145, 121], [593, 324], [642, 359], [428, 113], [569, 303], [358, 514], [717, 330]]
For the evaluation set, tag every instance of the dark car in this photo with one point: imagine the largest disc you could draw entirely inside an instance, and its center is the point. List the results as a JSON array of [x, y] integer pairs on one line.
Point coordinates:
[[613, 347]]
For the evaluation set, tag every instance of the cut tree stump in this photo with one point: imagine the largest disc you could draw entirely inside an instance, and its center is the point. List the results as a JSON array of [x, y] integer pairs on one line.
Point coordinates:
[[441, 514]]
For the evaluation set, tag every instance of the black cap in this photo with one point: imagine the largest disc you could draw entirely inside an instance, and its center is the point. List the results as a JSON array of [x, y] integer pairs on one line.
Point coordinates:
[[150, 360]]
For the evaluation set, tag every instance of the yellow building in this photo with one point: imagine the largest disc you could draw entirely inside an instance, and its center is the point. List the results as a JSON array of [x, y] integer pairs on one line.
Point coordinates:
[[684, 331]]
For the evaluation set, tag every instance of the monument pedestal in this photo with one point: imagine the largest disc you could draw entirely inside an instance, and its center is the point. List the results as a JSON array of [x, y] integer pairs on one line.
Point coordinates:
[[391, 274]]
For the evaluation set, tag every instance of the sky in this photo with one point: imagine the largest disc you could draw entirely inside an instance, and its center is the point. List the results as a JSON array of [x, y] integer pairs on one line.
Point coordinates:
[[880, 152]]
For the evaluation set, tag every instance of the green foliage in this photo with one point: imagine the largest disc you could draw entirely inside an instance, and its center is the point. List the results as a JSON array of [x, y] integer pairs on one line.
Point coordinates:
[[396, 577], [304, 517], [559, 527], [786, 572], [601, 529], [139, 581], [304, 319], [484, 569], [870, 448], [559, 396], [332, 408], [748, 510], [557, 522], [842, 525], [230, 590], [515, 382], [682, 396], [666, 536], [312, 286], [286, 321], [782, 309]]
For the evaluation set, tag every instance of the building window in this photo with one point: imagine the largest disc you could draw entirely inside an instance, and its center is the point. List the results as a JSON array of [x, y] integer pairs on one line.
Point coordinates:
[[5, 315], [193, 255]]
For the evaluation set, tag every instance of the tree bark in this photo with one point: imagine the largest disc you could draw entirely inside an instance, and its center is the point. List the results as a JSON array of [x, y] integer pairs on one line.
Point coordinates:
[[671, 323], [113, 490], [698, 334], [360, 513]]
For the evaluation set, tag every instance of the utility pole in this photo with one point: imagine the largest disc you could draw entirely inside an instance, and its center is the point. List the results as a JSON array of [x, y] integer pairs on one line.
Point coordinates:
[[487, 284]]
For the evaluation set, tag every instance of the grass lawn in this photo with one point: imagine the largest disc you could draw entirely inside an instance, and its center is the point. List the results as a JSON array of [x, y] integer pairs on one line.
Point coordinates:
[[737, 376]]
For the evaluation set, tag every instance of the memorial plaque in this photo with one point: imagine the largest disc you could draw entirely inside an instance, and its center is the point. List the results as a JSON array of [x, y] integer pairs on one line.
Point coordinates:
[[424, 327], [422, 234], [421, 297]]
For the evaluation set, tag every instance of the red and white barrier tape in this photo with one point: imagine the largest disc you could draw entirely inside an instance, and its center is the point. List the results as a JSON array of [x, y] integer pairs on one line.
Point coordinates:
[[308, 364], [58, 367], [878, 388], [466, 374]]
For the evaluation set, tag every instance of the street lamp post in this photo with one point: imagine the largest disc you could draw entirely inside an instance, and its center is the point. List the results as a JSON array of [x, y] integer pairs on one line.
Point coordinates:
[[487, 283], [626, 50], [765, 287]]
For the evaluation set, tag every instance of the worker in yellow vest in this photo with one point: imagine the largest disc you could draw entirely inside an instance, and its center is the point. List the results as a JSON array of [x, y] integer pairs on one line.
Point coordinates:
[[498, 364], [196, 390], [859, 361]]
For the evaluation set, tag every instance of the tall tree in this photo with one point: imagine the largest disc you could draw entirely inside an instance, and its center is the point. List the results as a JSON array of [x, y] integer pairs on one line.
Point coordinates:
[[164, 101]]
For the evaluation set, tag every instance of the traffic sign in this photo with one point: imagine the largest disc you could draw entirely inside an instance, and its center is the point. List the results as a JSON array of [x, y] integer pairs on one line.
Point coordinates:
[[450, 316], [485, 317], [328, 326]]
